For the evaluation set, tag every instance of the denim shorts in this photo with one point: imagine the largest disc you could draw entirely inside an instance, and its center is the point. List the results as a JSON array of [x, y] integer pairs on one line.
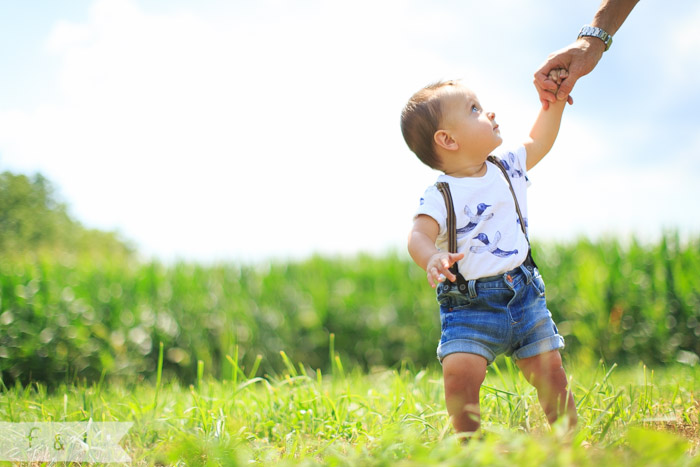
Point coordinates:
[[499, 314]]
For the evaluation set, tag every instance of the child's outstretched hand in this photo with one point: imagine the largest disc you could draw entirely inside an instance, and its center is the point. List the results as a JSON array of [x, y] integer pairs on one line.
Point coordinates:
[[438, 267], [557, 76]]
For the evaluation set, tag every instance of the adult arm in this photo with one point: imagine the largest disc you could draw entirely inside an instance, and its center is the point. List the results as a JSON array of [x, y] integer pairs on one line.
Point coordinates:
[[582, 56]]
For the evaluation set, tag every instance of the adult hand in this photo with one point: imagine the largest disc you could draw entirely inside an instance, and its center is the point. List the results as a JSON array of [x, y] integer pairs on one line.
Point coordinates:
[[579, 58]]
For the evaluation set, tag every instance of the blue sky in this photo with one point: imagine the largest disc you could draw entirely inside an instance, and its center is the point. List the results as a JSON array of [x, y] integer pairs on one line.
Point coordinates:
[[246, 130]]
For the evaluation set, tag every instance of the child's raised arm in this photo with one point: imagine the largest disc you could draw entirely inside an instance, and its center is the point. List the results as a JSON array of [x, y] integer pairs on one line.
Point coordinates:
[[544, 131]]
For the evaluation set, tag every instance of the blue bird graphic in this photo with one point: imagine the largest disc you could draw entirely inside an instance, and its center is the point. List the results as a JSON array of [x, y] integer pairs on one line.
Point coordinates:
[[474, 219], [491, 247], [512, 171]]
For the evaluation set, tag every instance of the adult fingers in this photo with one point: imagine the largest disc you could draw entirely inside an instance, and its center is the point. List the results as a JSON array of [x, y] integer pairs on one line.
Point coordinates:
[[545, 96], [545, 89], [541, 76], [566, 87]]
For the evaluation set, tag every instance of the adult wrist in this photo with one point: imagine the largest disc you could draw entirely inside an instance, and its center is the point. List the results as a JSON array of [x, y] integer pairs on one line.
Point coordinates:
[[598, 33], [594, 45]]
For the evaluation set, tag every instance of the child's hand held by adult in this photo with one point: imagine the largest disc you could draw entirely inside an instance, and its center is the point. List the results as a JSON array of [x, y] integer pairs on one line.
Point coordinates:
[[558, 76], [549, 85]]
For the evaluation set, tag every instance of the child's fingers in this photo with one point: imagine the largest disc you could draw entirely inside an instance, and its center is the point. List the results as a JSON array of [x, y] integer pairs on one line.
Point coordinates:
[[446, 274], [429, 276], [441, 270], [454, 257], [558, 75], [447, 263], [554, 76], [542, 83], [437, 275], [433, 277]]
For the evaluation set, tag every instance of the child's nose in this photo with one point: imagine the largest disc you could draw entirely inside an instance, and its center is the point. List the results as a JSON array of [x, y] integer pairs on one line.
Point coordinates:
[[491, 115]]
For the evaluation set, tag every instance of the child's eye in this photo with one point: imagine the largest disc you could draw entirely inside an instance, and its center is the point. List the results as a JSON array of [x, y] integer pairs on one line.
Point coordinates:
[[475, 108]]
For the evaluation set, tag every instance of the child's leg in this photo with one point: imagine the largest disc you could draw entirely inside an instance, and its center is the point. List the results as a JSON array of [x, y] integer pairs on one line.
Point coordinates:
[[546, 373], [463, 374]]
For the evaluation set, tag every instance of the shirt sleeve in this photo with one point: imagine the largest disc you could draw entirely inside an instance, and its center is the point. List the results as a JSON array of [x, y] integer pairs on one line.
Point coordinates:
[[433, 204], [515, 160], [521, 163], [520, 158]]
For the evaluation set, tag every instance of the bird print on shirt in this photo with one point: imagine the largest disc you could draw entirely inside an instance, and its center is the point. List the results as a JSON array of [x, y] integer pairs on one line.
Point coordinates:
[[474, 219], [510, 166], [491, 247]]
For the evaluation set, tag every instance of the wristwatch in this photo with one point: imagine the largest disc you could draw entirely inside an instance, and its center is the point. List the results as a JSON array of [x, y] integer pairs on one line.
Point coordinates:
[[592, 31]]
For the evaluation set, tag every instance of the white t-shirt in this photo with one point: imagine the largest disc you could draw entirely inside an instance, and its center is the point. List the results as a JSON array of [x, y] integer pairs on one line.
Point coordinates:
[[488, 227]]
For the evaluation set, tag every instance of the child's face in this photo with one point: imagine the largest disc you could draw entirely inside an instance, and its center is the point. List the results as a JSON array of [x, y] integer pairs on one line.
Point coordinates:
[[475, 131]]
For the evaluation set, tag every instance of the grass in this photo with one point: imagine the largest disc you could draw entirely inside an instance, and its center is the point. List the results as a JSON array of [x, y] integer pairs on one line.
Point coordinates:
[[631, 416]]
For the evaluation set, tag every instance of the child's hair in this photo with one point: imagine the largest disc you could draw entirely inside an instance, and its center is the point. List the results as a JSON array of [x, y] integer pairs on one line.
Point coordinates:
[[420, 119]]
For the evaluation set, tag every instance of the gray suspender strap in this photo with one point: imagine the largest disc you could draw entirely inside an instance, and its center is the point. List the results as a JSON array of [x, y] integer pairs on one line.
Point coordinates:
[[444, 189], [529, 260], [498, 164]]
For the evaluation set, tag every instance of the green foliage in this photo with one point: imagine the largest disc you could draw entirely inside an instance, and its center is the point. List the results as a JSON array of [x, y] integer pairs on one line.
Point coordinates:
[[32, 219], [77, 303], [626, 303], [78, 315], [28, 214]]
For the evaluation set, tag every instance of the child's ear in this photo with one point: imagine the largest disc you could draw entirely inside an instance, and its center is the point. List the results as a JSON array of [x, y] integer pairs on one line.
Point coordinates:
[[444, 140]]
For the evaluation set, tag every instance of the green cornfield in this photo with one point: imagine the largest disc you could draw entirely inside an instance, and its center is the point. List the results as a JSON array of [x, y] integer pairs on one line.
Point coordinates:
[[86, 317]]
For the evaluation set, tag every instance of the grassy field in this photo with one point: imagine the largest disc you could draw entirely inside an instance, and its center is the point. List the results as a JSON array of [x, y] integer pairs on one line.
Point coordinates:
[[387, 416], [191, 353]]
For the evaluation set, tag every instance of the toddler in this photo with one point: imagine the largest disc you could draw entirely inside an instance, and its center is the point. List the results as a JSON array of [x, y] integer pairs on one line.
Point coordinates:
[[491, 295]]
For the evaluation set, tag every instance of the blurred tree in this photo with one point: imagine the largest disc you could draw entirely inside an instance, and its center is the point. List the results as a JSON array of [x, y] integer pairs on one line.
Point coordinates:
[[32, 219]]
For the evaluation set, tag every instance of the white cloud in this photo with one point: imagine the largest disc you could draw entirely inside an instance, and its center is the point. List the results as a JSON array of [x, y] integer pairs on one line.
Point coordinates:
[[211, 139], [271, 128]]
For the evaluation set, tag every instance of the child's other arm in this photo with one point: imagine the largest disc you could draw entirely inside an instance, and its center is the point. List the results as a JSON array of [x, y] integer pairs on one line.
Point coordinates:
[[544, 131], [421, 246]]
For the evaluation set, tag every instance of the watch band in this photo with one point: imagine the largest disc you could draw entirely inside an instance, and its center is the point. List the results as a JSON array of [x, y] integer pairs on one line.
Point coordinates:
[[592, 31]]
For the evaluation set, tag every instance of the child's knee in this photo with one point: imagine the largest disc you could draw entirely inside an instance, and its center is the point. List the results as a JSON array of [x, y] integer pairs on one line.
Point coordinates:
[[463, 372], [543, 368]]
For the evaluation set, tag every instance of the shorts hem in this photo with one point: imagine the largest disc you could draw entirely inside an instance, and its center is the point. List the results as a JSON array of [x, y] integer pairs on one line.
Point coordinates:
[[545, 345], [464, 346]]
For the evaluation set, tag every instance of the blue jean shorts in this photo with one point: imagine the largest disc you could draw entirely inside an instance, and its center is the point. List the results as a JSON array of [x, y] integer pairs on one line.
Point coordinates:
[[499, 314]]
